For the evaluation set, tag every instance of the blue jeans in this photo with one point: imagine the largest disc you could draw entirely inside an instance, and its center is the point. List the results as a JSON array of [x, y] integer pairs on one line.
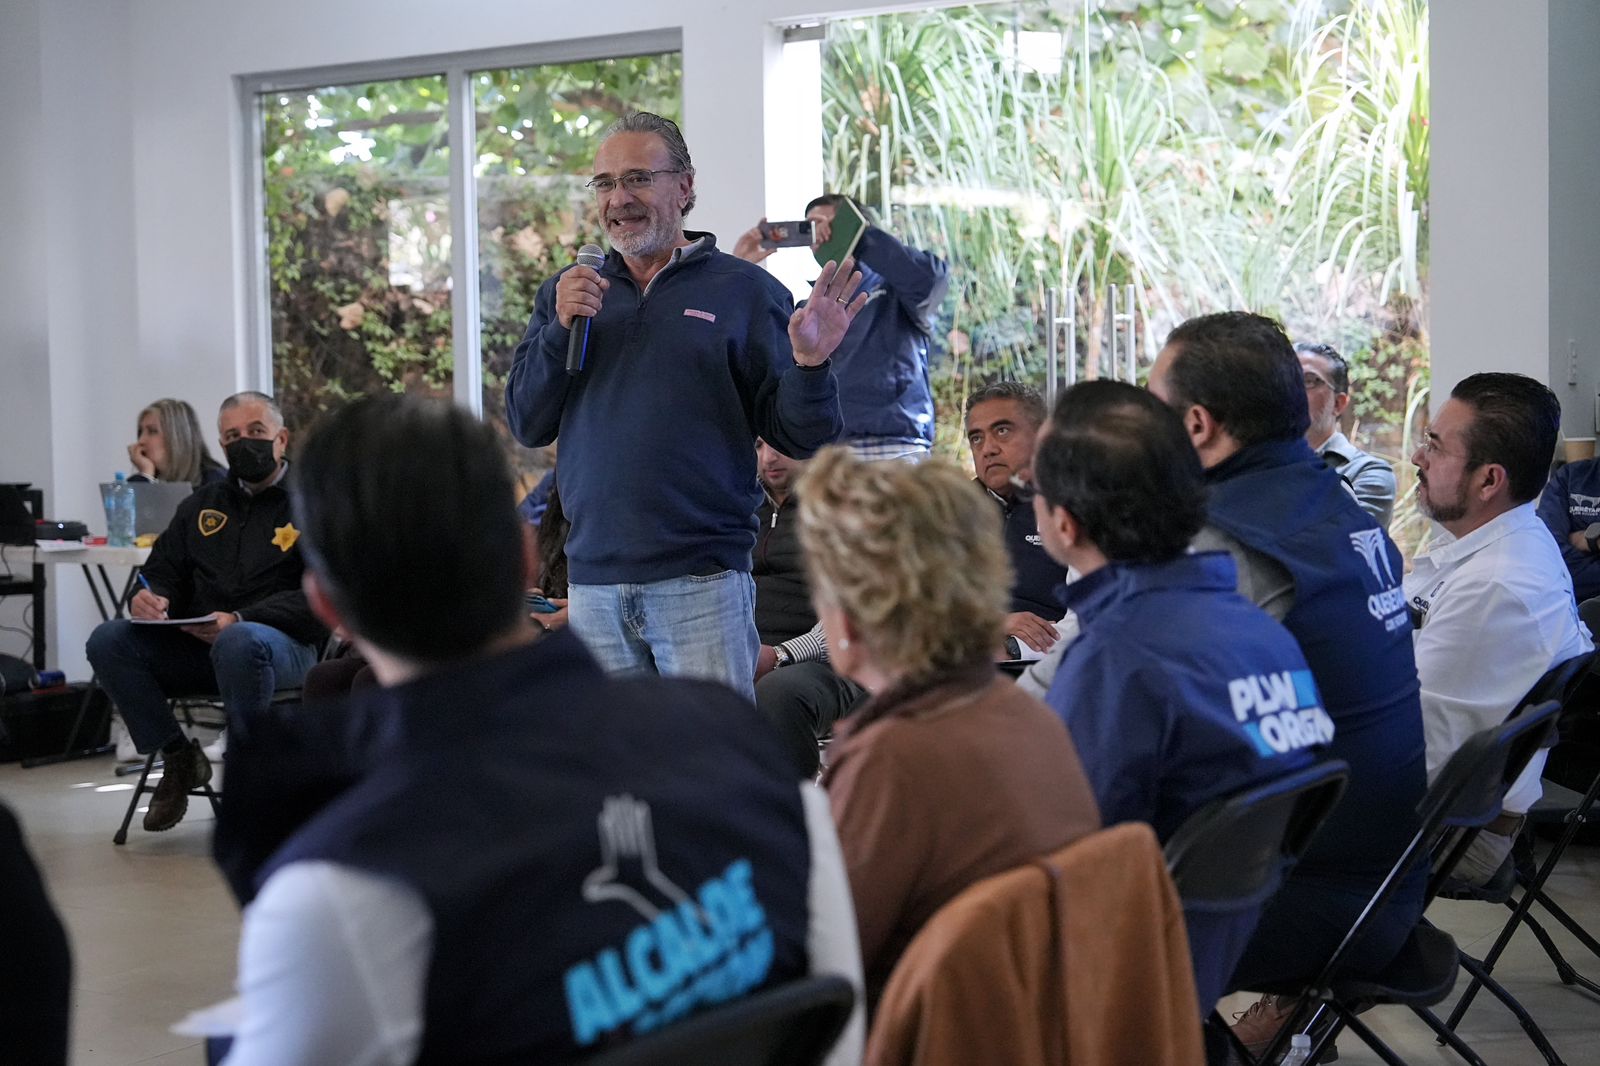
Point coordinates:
[[682, 627], [142, 667]]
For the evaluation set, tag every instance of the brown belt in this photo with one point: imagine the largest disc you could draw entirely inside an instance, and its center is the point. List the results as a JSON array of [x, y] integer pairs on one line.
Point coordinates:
[[1506, 825]]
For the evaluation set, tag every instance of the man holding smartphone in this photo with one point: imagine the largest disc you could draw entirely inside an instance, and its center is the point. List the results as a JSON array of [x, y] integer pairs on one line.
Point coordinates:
[[882, 363]]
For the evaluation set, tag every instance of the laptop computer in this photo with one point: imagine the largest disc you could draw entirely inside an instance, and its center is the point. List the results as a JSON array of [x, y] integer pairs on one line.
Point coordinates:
[[154, 503]]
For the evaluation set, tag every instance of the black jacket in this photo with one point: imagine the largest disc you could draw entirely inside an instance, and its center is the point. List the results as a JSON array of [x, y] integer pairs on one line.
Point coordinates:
[[1038, 575], [783, 598], [227, 550]]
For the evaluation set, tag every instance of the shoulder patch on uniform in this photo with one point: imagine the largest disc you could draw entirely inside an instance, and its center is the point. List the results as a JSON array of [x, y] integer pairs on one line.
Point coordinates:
[[211, 521]]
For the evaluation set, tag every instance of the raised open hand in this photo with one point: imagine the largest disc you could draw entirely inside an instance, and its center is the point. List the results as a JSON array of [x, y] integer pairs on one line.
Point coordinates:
[[816, 329]]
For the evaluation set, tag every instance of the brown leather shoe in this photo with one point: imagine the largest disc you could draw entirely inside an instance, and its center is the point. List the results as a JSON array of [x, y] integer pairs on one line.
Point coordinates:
[[170, 802]]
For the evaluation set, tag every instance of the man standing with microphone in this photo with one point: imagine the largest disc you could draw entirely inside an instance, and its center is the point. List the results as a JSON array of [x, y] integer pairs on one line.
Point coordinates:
[[689, 355]]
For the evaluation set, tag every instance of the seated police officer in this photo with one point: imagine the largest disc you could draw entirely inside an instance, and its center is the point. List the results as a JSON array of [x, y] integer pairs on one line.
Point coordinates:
[[528, 860], [1165, 715], [230, 559]]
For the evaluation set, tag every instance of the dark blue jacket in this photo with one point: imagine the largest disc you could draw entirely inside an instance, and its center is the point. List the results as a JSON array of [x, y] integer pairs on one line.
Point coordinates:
[[1038, 577], [1350, 619], [1571, 504], [882, 363], [1168, 716], [658, 460], [482, 789]]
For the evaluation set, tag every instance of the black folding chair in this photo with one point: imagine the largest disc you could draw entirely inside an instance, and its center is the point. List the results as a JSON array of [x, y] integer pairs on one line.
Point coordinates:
[[1234, 852], [1559, 684], [1464, 797], [794, 1024]]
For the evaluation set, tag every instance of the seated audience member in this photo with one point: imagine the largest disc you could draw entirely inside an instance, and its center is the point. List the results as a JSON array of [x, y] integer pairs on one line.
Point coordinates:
[[1327, 381], [36, 965], [882, 362], [1309, 555], [1003, 421], [171, 446], [229, 557], [1492, 597], [949, 773], [1570, 508], [783, 598], [805, 700], [531, 861], [347, 669], [1166, 715]]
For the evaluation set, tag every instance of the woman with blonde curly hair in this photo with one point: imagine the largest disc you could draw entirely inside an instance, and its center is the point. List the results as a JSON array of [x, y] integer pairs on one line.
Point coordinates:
[[171, 446], [949, 773]]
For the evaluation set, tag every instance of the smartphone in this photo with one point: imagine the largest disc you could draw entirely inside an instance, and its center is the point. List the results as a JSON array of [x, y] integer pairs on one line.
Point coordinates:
[[786, 234], [539, 605]]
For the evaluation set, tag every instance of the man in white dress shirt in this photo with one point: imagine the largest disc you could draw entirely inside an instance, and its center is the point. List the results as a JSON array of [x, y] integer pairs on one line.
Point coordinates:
[[1491, 597], [502, 854]]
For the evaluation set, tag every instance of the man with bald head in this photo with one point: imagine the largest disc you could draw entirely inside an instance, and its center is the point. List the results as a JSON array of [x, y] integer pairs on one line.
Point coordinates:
[[692, 355]]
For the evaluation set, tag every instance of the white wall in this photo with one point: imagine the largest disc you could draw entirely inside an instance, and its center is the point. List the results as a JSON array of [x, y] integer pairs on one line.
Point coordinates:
[[1575, 210], [68, 281], [1490, 189], [1515, 188], [24, 352]]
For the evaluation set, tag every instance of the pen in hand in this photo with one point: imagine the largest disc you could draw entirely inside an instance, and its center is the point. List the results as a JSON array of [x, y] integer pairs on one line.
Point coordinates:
[[147, 588]]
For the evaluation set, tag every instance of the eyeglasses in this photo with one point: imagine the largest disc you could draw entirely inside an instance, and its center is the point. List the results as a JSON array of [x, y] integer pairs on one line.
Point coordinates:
[[1315, 382], [633, 180]]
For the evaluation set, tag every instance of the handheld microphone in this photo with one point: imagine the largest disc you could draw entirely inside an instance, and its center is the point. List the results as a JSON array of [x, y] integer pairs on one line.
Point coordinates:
[[593, 257]]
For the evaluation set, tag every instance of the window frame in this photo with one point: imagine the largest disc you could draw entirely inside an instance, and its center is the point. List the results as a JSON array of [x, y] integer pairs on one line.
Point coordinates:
[[457, 69]]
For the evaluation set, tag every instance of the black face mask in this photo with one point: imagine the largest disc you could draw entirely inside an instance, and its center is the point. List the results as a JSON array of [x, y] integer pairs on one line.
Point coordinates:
[[250, 460]]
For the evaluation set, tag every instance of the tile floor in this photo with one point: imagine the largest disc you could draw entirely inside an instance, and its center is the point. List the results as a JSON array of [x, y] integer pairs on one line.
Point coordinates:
[[154, 931]]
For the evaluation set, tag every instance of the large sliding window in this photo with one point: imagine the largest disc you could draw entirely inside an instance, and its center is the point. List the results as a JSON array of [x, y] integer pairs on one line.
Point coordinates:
[[388, 256]]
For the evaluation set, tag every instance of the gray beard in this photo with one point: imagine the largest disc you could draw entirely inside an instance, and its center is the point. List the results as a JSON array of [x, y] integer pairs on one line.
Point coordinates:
[[660, 237]]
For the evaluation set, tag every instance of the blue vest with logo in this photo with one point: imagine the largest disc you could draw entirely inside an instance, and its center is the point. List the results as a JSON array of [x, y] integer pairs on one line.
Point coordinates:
[[1167, 717], [1349, 616], [600, 857]]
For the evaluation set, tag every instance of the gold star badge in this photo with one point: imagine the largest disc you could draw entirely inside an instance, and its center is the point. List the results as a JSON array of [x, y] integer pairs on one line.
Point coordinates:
[[283, 537]]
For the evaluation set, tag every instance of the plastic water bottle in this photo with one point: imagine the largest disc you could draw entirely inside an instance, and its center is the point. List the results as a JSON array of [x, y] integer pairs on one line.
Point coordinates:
[[119, 513], [1299, 1051]]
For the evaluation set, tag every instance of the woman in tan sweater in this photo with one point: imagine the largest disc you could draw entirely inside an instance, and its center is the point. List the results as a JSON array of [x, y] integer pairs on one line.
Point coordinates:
[[949, 773]]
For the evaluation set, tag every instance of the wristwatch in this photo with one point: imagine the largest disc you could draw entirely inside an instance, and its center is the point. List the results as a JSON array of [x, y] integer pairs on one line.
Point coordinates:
[[1592, 535], [780, 656]]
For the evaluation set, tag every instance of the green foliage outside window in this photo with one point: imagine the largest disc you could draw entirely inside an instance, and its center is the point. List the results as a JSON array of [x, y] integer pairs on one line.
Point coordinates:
[[358, 228], [1213, 154]]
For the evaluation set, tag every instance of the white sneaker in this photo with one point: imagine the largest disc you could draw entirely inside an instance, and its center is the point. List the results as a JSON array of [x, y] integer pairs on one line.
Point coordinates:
[[215, 750], [126, 751]]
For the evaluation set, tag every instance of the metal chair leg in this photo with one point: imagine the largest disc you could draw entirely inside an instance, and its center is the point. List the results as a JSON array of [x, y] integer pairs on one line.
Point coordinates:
[[1367, 1037], [133, 801], [1529, 1026], [1448, 1037]]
